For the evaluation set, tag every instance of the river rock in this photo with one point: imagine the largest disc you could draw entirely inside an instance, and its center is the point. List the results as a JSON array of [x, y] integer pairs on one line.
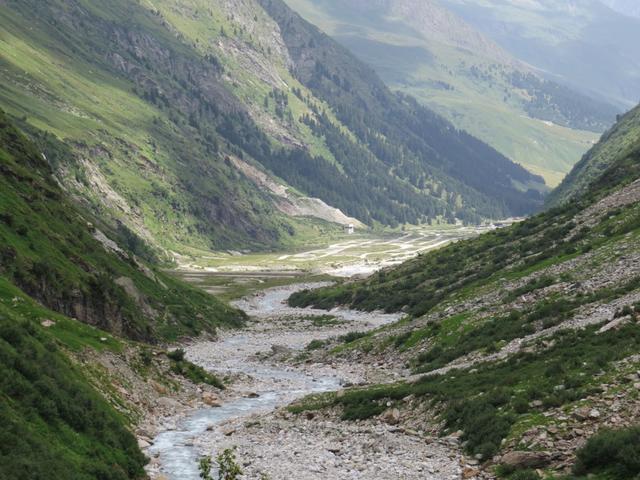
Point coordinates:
[[143, 443], [392, 416], [525, 459], [211, 399]]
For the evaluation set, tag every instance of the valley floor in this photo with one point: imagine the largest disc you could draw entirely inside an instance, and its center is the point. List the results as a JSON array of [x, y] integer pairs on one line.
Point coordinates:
[[270, 364], [231, 274]]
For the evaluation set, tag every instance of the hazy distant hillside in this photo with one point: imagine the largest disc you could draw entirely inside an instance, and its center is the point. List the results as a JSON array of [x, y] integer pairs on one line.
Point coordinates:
[[424, 49], [623, 138], [583, 44], [626, 7]]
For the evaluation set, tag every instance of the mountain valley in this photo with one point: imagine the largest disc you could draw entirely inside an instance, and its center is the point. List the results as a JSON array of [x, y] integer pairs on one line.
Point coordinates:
[[276, 239]]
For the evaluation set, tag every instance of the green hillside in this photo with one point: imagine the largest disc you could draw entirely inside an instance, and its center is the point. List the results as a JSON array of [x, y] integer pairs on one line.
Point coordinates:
[[427, 51], [54, 425], [158, 102], [66, 279], [622, 139], [61, 257], [512, 333]]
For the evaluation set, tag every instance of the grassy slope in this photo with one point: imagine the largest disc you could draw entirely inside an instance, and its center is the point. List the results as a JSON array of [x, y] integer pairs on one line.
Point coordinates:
[[477, 296], [54, 425], [63, 83], [48, 249], [492, 109], [624, 137]]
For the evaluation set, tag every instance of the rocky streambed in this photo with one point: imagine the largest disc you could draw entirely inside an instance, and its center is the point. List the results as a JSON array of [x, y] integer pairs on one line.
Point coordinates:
[[269, 441]]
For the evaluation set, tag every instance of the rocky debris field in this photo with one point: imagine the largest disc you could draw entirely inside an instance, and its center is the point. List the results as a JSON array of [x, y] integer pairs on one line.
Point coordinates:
[[285, 446]]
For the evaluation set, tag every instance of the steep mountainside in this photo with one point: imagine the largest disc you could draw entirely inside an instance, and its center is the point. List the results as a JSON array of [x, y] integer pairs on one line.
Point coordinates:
[[395, 128], [69, 262], [583, 44], [623, 138], [160, 102], [424, 49], [54, 424], [525, 339], [64, 414]]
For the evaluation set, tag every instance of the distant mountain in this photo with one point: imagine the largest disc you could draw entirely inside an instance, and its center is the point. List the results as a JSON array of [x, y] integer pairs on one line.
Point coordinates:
[[626, 7], [422, 48], [583, 44]]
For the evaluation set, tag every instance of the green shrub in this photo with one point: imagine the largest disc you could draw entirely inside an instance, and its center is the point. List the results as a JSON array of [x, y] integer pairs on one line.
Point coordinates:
[[524, 475], [228, 468], [362, 411], [177, 354], [615, 452], [315, 344], [352, 337], [195, 373]]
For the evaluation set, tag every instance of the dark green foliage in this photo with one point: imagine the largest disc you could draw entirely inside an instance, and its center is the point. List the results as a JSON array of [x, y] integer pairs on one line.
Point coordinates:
[[556, 103], [315, 344], [195, 373], [511, 473], [614, 452], [176, 355], [362, 411], [53, 424], [228, 468], [352, 337], [205, 467]]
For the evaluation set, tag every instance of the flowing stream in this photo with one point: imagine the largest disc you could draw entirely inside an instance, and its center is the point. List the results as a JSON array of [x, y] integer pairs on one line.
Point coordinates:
[[271, 384], [176, 448]]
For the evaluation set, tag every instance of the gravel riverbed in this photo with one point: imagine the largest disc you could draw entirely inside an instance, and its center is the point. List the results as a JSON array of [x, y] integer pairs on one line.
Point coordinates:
[[263, 379]]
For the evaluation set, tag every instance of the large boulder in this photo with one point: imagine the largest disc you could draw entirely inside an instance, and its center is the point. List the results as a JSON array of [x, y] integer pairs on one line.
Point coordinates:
[[526, 459]]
